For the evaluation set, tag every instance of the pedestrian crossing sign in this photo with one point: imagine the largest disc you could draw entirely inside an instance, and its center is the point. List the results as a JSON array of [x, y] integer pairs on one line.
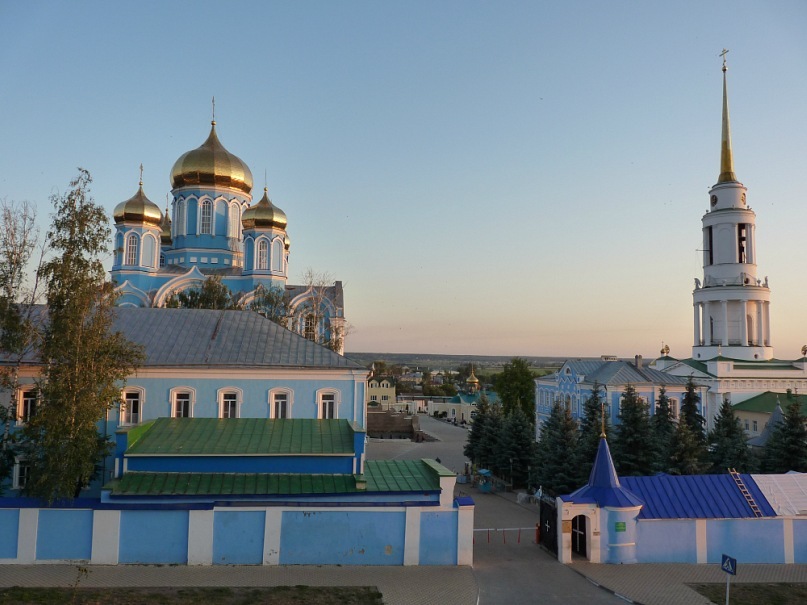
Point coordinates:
[[729, 565]]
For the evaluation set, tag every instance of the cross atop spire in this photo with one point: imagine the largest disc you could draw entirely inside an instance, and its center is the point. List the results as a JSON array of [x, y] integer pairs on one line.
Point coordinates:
[[726, 158], [141, 174], [214, 111]]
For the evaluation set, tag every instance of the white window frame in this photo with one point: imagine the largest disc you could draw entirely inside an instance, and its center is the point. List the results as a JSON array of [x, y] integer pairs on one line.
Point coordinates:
[[239, 397], [125, 417], [289, 401], [191, 400], [206, 220], [262, 255], [180, 221], [18, 464], [233, 221], [21, 417], [674, 408], [321, 402], [132, 250]]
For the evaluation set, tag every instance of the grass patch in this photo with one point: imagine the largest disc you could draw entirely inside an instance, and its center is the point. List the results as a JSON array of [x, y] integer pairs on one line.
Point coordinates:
[[276, 595], [755, 594]]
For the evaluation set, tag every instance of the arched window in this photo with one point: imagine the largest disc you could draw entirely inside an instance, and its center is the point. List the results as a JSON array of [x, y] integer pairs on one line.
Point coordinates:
[[310, 327], [327, 404], [119, 249], [277, 254], [206, 218], [232, 222], [131, 249], [179, 223], [131, 406], [263, 255], [229, 402], [182, 401], [280, 402], [149, 251]]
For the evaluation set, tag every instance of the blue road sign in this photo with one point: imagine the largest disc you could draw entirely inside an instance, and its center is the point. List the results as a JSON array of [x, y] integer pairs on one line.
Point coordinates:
[[729, 565]]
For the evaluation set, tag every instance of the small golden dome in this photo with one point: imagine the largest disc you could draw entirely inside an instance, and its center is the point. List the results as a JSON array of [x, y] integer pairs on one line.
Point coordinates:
[[165, 236], [286, 241], [264, 214], [138, 208], [212, 165]]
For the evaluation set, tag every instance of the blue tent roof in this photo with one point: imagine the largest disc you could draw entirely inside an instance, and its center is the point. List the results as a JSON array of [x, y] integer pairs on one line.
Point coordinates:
[[603, 485], [696, 497]]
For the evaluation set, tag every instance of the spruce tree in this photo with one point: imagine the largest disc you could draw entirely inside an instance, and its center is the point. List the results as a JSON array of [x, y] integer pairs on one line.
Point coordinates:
[[691, 414], [633, 442], [662, 426], [85, 363], [786, 449], [727, 442], [555, 459], [516, 445], [471, 449], [488, 451], [591, 427], [688, 455]]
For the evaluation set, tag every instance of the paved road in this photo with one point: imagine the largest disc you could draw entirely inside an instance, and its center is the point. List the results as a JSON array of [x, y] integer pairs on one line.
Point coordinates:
[[506, 571]]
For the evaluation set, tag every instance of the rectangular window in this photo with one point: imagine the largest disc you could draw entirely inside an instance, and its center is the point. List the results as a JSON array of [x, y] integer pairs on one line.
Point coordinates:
[[384, 397], [22, 475], [229, 405], [206, 223], [742, 231], [182, 405], [746, 425], [27, 406], [328, 406], [709, 255], [130, 410], [310, 327], [373, 397], [756, 428], [280, 405]]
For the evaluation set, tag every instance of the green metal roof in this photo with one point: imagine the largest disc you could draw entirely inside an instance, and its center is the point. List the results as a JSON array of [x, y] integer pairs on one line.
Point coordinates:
[[381, 476], [241, 437], [766, 402]]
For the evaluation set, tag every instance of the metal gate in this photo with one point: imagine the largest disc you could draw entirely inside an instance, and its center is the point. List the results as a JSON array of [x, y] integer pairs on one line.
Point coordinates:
[[549, 524]]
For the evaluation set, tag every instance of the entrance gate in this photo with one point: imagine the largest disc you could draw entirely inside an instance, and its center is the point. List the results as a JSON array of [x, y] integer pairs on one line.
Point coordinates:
[[549, 524], [579, 535]]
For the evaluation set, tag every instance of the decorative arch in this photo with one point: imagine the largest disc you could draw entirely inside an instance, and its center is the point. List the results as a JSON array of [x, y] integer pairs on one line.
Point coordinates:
[[206, 216], [119, 248], [192, 279], [132, 255], [227, 397], [281, 401], [149, 252], [328, 403], [262, 255], [234, 220], [127, 290], [277, 255], [180, 217]]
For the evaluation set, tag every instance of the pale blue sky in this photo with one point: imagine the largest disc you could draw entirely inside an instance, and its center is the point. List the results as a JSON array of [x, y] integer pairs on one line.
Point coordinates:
[[484, 177]]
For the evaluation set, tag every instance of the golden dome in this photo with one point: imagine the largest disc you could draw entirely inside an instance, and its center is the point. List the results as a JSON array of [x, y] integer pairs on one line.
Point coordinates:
[[138, 208], [212, 165], [165, 236], [286, 241], [264, 214]]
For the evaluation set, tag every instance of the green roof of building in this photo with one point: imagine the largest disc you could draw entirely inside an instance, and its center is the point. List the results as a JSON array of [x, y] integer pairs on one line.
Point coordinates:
[[380, 476], [241, 437], [766, 402]]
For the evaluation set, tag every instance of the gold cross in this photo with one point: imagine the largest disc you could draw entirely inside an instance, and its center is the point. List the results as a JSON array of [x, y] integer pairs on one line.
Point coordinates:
[[141, 173], [723, 54]]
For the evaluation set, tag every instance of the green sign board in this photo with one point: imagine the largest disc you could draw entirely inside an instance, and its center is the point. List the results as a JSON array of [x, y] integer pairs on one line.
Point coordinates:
[[619, 526]]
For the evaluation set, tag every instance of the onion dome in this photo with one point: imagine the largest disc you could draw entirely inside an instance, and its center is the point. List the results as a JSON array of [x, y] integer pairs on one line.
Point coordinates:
[[286, 241], [165, 236], [472, 379], [264, 214], [138, 208], [212, 165]]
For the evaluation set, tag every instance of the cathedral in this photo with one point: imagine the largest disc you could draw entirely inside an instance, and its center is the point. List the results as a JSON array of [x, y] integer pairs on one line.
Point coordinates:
[[213, 229]]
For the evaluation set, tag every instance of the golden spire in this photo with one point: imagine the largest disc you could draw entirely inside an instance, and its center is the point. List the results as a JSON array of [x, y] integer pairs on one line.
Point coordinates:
[[602, 420], [726, 160], [141, 174]]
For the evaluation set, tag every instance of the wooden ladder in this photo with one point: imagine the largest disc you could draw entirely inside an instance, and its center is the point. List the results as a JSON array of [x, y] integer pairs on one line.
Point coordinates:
[[744, 491]]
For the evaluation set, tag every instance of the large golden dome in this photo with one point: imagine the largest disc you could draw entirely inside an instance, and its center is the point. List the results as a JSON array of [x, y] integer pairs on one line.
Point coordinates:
[[264, 214], [212, 165], [138, 208]]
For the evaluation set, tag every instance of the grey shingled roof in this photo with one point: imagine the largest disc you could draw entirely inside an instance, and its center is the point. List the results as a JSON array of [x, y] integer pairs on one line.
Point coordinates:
[[622, 372], [202, 337]]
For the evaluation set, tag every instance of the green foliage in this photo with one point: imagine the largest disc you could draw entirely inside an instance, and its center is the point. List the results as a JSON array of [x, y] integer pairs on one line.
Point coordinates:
[[633, 446], [440, 390], [212, 295], [515, 448], [662, 427], [272, 303], [690, 413], [516, 387], [688, 455], [727, 442], [490, 434], [471, 449], [555, 461], [85, 362], [786, 449], [591, 427]]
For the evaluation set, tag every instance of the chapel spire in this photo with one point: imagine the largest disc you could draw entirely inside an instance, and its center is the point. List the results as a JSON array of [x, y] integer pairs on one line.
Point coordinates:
[[726, 159]]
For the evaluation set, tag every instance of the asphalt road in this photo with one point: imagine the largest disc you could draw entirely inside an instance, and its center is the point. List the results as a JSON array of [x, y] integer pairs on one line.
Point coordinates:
[[507, 570]]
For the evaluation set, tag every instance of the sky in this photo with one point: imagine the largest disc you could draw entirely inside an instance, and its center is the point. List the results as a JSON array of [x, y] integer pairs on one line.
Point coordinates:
[[489, 178]]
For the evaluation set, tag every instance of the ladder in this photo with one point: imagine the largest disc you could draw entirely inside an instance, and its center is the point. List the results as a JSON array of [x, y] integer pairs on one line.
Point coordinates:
[[744, 491]]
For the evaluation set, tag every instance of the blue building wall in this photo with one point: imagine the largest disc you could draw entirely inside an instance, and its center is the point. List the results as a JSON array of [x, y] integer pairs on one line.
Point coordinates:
[[800, 542], [343, 538], [64, 534], [10, 523], [238, 537], [436, 530], [153, 536], [756, 541], [663, 541]]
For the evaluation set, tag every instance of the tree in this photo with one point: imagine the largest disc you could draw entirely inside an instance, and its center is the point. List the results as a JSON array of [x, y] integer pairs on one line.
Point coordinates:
[[273, 303], [688, 455], [592, 426], [84, 362], [786, 449], [491, 432], [516, 445], [212, 295], [662, 427], [690, 413], [312, 317], [471, 449], [727, 442], [633, 443], [516, 387], [555, 461]]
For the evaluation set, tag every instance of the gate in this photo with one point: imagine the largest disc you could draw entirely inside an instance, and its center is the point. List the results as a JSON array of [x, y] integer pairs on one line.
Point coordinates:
[[549, 524], [579, 535]]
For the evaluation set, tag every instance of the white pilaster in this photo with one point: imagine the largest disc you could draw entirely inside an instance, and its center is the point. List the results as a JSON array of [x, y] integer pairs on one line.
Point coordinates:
[[768, 324], [105, 537], [271, 536], [787, 530], [697, 323], [725, 305], [200, 537], [465, 535], [412, 536], [743, 323], [26, 536], [707, 324], [700, 540]]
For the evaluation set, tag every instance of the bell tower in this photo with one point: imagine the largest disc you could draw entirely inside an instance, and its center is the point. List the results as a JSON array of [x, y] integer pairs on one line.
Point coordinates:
[[731, 305]]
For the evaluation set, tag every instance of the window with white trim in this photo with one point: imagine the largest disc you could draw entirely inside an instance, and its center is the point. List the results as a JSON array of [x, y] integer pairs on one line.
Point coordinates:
[[280, 403], [229, 403], [22, 472], [206, 218], [277, 254], [232, 222], [674, 408], [263, 255], [131, 407], [182, 404], [179, 223], [26, 407], [328, 405], [131, 249]]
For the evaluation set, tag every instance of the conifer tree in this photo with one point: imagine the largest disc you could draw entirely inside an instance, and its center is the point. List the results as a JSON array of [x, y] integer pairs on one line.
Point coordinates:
[[489, 440], [471, 449], [633, 442], [786, 449], [556, 452], [688, 455], [591, 427], [516, 445], [690, 412], [85, 362], [727, 442], [662, 426], [516, 387]]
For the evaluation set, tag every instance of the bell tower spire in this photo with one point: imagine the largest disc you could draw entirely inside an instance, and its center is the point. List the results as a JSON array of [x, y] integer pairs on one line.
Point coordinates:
[[726, 159]]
